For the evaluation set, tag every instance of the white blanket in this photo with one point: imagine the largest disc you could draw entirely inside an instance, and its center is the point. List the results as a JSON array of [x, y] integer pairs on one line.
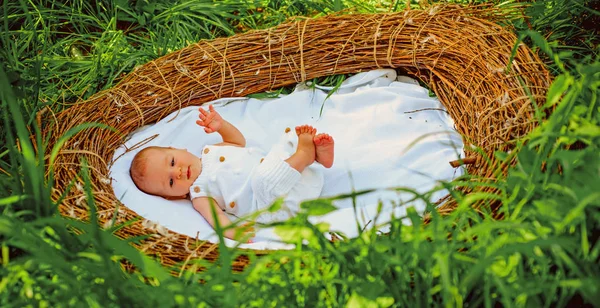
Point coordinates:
[[382, 140]]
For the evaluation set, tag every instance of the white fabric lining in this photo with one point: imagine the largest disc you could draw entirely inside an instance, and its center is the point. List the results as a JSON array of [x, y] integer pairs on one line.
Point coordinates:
[[380, 142]]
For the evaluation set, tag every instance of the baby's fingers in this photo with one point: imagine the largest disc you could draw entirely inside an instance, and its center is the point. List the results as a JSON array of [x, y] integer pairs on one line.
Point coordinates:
[[251, 235], [203, 115], [203, 124], [206, 117], [203, 111], [249, 225], [248, 229]]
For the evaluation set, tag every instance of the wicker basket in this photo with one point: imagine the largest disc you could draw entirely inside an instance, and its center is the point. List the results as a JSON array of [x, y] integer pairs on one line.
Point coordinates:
[[461, 53]]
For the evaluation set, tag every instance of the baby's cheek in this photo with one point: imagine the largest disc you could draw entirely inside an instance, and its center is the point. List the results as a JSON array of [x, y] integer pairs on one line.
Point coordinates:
[[185, 188], [143, 184]]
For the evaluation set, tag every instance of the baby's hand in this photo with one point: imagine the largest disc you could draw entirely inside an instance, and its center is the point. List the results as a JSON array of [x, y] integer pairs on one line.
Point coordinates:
[[247, 231], [210, 120]]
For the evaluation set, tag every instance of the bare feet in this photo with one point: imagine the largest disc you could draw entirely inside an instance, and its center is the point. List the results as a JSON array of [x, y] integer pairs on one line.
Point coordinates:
[[305, 153], [324, 149], [306, 133]]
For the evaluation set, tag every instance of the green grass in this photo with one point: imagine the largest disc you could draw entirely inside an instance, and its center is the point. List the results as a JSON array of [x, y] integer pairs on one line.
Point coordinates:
[[544, 253]]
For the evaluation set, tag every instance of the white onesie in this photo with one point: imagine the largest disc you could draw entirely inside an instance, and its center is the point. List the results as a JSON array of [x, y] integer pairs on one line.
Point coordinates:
[[245, 180]]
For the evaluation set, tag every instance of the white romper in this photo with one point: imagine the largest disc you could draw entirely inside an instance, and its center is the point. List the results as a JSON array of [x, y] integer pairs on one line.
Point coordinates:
[[245, 180]]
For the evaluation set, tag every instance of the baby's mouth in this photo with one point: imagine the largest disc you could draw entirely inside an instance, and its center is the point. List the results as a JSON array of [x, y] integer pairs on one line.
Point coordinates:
[[189, 172]]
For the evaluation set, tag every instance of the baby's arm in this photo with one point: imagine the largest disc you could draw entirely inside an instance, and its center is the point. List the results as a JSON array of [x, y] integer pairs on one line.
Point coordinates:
[[213, 122], [231, 135], [205, 206]]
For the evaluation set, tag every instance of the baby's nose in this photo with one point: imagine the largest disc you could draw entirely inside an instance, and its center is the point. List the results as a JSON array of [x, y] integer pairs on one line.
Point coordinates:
[[180, 172]]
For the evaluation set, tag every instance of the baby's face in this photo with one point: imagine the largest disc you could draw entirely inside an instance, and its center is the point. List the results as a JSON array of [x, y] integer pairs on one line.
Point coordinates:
[[170, 172]]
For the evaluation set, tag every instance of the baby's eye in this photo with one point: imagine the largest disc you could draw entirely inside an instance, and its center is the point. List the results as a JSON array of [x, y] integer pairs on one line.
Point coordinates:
[[171, 182], [172, 162]]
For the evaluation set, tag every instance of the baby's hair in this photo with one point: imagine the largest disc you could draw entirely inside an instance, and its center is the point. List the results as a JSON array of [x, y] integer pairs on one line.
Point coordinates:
[[137, 171]]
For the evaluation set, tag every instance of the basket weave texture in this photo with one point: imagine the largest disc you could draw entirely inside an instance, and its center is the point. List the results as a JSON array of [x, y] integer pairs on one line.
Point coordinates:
[[460, 53]]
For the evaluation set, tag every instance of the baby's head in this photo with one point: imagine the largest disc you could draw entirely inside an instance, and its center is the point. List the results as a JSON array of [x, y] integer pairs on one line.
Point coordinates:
[[165, 172]]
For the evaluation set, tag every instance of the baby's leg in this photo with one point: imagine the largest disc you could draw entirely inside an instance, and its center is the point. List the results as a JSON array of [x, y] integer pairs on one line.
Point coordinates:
[[305, 153], [324, 149]]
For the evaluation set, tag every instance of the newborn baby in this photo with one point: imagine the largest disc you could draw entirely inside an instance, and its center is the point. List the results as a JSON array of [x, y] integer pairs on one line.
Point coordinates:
[[228, 177]]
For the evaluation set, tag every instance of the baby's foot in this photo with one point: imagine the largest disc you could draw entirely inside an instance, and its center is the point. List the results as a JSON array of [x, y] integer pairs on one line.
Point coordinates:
[[306, 146], [324, 149]]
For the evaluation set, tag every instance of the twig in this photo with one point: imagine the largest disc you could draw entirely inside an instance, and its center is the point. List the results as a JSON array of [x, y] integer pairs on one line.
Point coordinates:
[[463, 161]]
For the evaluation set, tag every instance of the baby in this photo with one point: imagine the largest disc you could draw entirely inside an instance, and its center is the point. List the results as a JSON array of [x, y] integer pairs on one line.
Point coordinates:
[[229, 177]]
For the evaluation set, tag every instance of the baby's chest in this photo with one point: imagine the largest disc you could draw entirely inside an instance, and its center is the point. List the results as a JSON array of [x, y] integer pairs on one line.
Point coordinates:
[[234, 162]]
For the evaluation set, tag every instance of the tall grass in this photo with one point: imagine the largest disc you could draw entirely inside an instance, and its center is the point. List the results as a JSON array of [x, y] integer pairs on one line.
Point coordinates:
[[544, 253]]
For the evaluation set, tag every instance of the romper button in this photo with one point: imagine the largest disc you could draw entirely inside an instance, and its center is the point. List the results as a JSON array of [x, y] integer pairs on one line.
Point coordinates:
[[222, 158], [232, 204], [206, 151], [196, 189], [261, 160], [287, 130]]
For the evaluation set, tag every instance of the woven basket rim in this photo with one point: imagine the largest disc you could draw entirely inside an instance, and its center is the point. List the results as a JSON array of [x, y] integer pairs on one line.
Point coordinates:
[[460, 52]]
